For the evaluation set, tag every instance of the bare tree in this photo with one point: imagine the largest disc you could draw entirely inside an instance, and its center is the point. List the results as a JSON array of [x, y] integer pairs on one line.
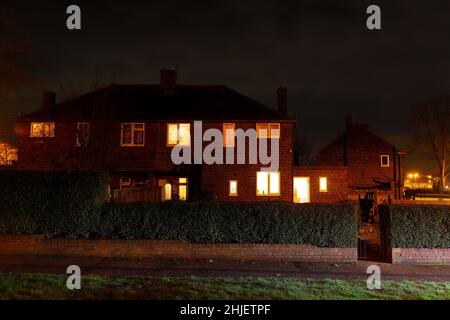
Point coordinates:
[[303, 150], [431, 123]]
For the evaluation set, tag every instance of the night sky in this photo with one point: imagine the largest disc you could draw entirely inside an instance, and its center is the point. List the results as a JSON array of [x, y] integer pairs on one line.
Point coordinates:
[[321, 51]]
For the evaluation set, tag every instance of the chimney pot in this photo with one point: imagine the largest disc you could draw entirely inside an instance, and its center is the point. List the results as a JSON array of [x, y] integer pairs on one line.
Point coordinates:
[[282, 100], [48, 100], [168, 78]]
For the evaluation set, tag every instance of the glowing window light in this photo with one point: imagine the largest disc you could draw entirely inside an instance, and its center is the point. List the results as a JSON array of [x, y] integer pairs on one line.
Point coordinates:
[[323, 184]]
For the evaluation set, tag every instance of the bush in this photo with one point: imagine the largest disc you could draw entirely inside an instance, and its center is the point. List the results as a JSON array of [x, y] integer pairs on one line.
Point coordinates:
[[50, 203], [320, 225], [418, 226], [71, 204]]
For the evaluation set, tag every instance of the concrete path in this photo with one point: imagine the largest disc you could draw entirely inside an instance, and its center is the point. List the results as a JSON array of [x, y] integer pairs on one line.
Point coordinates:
[[170, 267]]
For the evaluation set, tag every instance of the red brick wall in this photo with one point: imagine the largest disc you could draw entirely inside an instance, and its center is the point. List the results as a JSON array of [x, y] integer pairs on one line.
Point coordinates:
[[215, 178], [420, 255], [105, 153], [336, 179], [37, 245]]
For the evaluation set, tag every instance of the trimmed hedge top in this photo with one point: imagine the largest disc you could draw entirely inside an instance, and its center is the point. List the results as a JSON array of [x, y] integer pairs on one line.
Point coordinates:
[[71, 204], [420, 226], [320, 225], [50, 202]]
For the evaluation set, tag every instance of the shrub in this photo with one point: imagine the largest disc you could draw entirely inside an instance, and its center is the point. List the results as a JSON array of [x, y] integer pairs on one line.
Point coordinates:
[[418, 226], [321, 225], [51, 203], [72, 204]]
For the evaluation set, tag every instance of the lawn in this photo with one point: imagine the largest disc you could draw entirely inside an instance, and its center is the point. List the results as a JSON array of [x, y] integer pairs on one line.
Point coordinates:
[[44, 286]]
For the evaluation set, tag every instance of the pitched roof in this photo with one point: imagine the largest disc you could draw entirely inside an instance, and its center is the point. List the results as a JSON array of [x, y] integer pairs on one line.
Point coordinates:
[[358, 132], [153, 103]]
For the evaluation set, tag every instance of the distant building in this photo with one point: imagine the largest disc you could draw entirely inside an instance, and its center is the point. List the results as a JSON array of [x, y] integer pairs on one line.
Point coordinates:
[[373, 164]]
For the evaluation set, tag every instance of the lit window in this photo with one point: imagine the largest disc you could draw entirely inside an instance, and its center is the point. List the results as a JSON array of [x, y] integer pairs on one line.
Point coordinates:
[[264, 130], [233, 190], [42, 129], [228, 134], [132, 134], [182, 189], [323, 184], [183, 180], [384, 160], [82, 133], [125, 183], [179, 133], [267, 183], [167, 191]]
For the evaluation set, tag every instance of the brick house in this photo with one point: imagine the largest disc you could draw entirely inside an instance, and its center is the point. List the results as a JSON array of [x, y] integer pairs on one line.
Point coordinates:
[[129, 131], [373, 164]]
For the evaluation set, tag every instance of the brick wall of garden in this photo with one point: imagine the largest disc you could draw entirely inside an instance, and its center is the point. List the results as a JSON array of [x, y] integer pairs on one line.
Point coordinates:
[[41, 246]]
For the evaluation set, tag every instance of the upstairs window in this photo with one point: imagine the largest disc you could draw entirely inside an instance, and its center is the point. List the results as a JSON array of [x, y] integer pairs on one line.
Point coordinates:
[[132, 134], [228, 135], [384, 160], [268, 130], [267, 183], [42, 130], [82, 133], [179, 133]]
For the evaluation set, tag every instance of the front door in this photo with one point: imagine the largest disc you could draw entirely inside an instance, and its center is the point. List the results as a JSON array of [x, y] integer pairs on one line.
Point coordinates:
[[301, 190]]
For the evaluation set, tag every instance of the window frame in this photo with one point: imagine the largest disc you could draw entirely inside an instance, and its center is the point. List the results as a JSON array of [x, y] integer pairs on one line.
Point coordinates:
[[77, 143], [388, 161], [324, 190], [51, 124], [230, 194], [183, 184], [178, 124], [269, 194], [225, 144], [267, 125], [133, 130]]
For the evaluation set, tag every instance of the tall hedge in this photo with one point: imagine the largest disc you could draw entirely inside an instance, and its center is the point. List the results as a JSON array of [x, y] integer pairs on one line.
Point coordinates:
[[418, 226], [320, 225], [51, 203], [72, 204]]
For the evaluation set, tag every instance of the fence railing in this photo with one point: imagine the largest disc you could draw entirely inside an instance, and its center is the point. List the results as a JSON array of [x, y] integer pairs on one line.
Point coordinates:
[[145, 194]]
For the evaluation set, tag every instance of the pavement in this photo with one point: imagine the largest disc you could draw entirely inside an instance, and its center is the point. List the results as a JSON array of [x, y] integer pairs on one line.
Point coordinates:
[[213, 268]]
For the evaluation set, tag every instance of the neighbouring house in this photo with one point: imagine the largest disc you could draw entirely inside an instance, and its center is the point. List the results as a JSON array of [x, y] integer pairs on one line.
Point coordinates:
[[129, 131], [373, 164]]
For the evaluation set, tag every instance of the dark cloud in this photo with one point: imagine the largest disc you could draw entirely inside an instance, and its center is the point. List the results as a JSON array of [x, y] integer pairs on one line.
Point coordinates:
[[321, 50]]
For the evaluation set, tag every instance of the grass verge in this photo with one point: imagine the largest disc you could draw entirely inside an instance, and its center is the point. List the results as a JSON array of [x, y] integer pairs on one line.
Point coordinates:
[[47, 286]]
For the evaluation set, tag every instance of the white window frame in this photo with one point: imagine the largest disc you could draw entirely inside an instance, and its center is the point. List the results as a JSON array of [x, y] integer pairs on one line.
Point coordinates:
[[226, 143], [178, 134], [269, 192], [51, 129], [388, 161], [269, 127], [133, 130]]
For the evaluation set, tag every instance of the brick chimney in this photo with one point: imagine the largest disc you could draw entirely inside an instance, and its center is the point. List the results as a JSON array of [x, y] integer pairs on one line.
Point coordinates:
[[282, 100], [348, 122], [168, 78], [48, 100]]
